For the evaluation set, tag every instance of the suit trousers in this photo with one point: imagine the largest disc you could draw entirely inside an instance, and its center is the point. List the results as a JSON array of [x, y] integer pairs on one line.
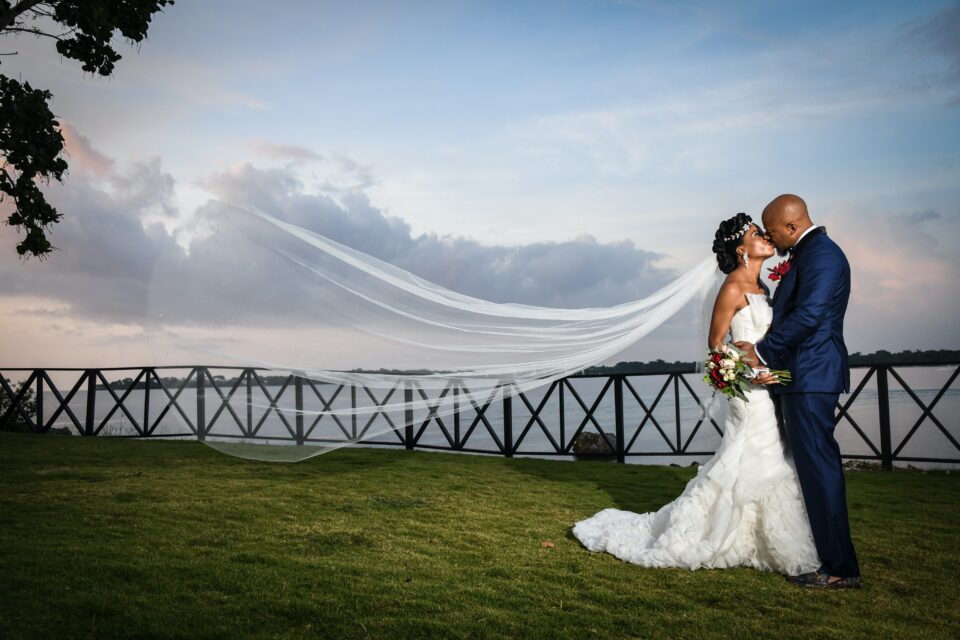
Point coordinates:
[[809, 422]]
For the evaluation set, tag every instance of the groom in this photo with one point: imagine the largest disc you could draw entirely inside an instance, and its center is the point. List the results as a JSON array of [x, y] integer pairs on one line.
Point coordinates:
[[806, 338]]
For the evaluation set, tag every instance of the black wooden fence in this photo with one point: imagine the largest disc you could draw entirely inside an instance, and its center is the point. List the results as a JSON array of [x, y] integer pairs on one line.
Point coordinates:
[[213, 403]]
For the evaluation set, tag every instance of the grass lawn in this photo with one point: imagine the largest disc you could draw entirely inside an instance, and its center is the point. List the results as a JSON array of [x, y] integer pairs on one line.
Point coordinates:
[[109, 538]]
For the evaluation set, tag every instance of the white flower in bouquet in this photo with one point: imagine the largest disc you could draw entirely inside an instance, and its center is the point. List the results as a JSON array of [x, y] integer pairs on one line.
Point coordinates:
[[728, 372]]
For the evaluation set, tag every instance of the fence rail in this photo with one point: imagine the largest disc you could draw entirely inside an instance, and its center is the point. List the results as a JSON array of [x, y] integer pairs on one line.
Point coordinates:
[[213, 402]]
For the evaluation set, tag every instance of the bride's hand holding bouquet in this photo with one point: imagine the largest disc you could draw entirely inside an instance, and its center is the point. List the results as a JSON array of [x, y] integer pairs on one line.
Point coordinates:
[[728, 372]]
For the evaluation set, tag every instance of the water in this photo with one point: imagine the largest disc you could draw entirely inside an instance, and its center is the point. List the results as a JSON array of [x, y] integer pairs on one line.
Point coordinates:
[[658, 440]]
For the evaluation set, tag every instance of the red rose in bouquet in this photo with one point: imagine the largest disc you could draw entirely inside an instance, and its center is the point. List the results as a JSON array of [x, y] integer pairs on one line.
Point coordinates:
[[729, 374]]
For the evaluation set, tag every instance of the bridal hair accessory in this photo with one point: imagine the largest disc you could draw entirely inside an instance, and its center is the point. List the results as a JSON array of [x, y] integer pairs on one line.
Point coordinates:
[[739, 233], [777, 272]]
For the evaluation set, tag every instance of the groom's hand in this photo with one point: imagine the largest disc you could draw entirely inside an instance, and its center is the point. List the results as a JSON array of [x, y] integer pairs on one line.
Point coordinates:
[[765, 378], [749, 355]]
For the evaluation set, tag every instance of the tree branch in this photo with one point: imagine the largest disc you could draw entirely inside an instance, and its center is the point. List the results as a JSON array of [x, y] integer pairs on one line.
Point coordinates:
[[7, 17], [43, 9], [37, 32]]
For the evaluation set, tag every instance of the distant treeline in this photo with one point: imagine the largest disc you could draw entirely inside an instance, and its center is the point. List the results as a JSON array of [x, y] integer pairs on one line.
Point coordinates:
[[941, 356], [170, 382], [654, 366]]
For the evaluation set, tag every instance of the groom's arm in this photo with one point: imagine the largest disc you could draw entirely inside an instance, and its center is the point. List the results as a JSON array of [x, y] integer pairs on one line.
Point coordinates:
[[821, 277], [756, 352]]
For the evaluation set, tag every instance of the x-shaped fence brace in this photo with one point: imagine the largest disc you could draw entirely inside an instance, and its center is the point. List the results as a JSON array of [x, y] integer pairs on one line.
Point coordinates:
[[505, 443], [843, 411], [457, 441], [927, 410]]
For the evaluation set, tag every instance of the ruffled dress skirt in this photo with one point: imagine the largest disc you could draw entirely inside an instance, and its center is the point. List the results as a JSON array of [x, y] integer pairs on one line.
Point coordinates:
[[743, 508]]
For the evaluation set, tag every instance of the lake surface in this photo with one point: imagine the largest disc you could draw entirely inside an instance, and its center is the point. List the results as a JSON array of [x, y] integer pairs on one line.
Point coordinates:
[[658, 445]]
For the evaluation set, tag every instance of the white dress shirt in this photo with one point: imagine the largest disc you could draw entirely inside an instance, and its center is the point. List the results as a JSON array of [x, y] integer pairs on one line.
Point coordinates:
[[811, 228]]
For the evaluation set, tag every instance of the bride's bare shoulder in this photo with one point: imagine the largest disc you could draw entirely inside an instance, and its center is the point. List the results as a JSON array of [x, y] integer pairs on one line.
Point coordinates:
[[731, 295]]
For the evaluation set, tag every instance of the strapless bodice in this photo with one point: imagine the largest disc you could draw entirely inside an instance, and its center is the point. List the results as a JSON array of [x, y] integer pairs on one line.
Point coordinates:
[[751, 322]]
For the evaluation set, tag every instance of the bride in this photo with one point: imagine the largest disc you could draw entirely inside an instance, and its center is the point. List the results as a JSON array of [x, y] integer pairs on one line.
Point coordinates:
[[744, 507]]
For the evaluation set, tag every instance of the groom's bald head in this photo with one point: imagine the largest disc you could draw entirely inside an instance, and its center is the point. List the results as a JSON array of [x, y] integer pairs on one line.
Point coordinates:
[[784, 219], [787, 207]]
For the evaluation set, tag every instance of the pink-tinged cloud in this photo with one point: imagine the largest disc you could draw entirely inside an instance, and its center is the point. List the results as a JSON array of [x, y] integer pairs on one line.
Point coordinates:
[[904, 293], [81, 155], [894, 259], [290, 152]]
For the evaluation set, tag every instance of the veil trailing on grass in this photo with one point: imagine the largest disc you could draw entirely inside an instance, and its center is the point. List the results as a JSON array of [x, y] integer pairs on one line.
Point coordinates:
[[364, 349]]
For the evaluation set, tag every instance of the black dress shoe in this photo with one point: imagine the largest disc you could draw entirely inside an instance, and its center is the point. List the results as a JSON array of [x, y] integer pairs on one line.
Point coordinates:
[[852, 582], [821, 580]]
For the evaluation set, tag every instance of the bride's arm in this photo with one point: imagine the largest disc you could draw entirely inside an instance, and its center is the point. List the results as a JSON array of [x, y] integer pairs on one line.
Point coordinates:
[[724, 307]]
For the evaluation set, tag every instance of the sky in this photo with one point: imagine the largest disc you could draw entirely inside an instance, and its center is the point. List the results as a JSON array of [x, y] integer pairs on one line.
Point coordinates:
[[563, 153]]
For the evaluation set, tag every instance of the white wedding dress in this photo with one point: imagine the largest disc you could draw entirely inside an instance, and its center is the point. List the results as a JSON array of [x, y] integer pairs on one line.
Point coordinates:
[[743, 508]]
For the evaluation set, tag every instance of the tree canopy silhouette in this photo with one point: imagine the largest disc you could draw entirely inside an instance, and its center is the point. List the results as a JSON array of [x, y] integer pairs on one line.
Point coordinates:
[[31, 143]]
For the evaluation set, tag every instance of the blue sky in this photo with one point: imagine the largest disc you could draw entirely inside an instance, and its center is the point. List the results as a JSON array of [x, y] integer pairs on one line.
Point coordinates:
[[620, 129]]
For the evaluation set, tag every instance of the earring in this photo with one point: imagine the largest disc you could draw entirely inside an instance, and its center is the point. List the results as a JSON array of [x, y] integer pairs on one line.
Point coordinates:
[[746, 260]]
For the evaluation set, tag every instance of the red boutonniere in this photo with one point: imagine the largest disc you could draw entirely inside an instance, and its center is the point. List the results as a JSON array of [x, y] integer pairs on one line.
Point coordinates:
[[777, 272]]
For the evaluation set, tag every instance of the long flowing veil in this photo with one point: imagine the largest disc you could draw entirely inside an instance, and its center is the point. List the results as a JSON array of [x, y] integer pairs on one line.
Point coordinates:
[[360, 322]]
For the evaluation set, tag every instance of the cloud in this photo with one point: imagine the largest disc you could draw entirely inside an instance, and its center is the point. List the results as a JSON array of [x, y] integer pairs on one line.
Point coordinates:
[[108, 248], [232, 99], [113, 262], [936, 36], [104, 245], [81, 155], [576, 273], [289, 152], [937, 33], [905, 293], [923, 216], [44, 312]]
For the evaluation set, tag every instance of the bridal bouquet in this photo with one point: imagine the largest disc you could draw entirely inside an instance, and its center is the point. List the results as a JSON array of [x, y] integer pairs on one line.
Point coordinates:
[[730, 375]]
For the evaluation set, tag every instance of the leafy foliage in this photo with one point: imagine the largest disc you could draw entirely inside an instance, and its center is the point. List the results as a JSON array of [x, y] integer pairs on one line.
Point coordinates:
[[16, 421], [30, 137], [31, 144]]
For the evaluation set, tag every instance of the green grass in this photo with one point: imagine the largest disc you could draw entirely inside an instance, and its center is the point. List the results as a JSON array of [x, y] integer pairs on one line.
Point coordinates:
[[108, 538]]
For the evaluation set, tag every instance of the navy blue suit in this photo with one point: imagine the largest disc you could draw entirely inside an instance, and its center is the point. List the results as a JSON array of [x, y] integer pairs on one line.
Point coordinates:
[[806, 338]]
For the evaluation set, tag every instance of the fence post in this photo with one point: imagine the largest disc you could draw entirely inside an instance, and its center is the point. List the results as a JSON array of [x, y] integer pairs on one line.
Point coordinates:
[[201, 406], [456, 417], [249, 374], [408, 415], [676, 408], [298, 398], [91, 402], [563, 445], [883, 402], [353, 412], [618, 410], [39, 374], [507, 424], [146, 400]]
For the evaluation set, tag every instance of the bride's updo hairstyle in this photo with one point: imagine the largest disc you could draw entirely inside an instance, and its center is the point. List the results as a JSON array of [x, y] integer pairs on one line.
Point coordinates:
[[728, 237]]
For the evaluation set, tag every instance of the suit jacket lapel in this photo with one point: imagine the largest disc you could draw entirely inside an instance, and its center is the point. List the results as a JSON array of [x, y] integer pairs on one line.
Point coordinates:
[[786, 283], [784, 287], [813, 232]]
